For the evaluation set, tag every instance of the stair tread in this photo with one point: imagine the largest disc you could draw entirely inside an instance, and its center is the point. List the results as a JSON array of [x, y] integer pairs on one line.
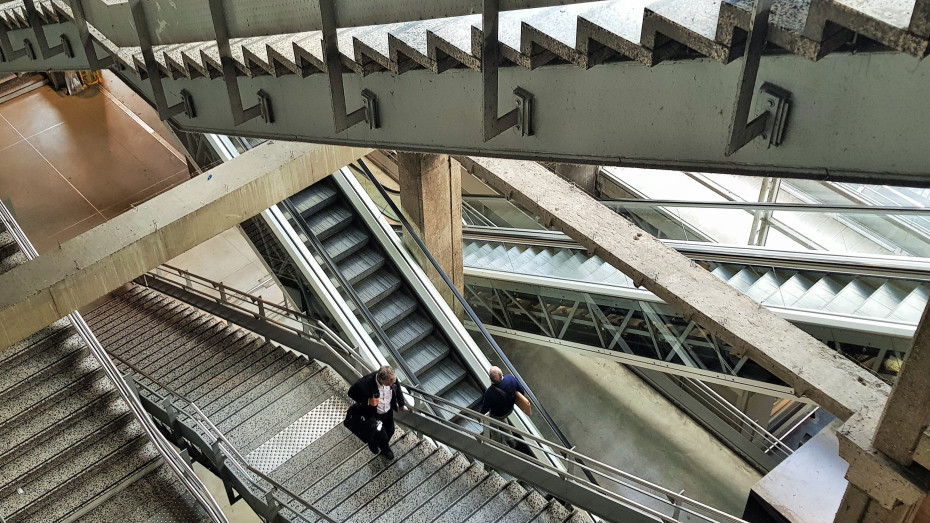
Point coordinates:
[[409, 330], [426, 353], [377, 286], [448, 483], [361, 264], [394, 308]]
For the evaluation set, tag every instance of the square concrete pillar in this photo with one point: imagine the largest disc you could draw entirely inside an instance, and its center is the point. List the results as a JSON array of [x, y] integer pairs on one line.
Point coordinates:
[[431, 196]]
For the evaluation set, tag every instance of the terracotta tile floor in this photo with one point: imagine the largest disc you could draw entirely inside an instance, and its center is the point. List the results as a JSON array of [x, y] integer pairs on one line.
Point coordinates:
[[69, 163]]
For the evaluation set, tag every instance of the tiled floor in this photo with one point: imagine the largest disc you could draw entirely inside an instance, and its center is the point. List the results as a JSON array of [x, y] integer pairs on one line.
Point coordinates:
[[69, 163]]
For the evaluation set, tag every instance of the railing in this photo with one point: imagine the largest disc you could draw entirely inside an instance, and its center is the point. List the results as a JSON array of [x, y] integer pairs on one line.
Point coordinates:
[[294, 321], [174, 461], [755, 433], [628, 485], [466, 307], [212, 443], [671, 504]]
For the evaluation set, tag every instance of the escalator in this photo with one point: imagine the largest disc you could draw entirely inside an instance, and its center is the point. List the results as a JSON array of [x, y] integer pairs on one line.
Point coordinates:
[[324, 218]]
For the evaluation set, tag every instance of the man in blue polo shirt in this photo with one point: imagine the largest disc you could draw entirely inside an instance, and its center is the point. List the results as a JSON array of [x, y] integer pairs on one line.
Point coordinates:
[[499, 399]]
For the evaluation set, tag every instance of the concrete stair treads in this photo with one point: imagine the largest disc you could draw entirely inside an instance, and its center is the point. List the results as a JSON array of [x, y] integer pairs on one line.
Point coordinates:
[[284, 413], [142, 502]]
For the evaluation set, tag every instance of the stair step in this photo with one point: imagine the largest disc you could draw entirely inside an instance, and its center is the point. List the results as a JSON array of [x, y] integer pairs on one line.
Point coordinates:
[[83, 466], [40, 364], [373, 467], [317, 459], [66, 444], [329, 221], [442, 377], [479, 494], [286, 409], [355, 470], [429, 498], [345, 243], [40, 341], [386, 488], [239, 385], [409, 331], [44, 422], [361, 265], [376, 287], [314, 198], [50, 390], [499, 504], [213, 382], [96, 485], [393, 309], [464, 394], [262, 395], [146, 501], [426, 353], [884, 300], [196, 351], [231, 349]]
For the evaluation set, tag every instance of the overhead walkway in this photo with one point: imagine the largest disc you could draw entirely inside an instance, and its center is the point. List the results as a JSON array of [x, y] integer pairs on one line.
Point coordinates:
[[209, 71], [71, 449], [852, 304]]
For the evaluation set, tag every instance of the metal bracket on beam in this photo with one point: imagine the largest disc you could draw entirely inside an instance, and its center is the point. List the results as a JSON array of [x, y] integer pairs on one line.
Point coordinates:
[[38, 29], [80, 20], [519, 117], [186, 106], [771, 123], [7, 53], [230, 78], [342, 119]]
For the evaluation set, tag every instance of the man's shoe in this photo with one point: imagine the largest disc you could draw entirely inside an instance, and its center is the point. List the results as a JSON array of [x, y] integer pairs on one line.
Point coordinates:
[[388, 454], [373, 447]]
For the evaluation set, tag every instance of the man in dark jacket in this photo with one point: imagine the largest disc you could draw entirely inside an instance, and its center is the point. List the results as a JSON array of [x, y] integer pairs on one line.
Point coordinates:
[[498, 402], [380, 395]]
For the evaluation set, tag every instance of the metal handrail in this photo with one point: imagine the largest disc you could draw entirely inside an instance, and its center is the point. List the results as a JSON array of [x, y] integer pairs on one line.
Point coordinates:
[[635, 203], [742, 419], [208, 427], [347, 287], [677, 499], [468, 310], [191, 279], [171, 457]]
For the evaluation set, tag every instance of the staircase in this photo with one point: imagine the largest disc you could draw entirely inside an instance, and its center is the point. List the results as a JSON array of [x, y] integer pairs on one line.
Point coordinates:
[[284, 413], [326, 214], [70, 448]]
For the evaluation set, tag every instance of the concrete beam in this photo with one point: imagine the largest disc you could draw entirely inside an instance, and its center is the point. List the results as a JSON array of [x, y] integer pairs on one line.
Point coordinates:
[[907, 413], [45, 289], [810, 367]]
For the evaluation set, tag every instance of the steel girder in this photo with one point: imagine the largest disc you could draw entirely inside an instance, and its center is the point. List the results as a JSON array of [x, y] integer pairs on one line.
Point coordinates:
[[850, 117]]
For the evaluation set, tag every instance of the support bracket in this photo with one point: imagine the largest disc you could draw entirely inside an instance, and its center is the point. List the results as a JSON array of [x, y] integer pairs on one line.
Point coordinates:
[[186, 106], [771, 122], [80, 20], [230, 78], [519, 117], [342, 119], [38, 29], [8, 54]]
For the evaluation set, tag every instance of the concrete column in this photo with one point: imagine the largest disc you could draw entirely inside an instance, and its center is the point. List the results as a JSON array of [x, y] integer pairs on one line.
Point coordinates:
[[907, 413], [431, 195]]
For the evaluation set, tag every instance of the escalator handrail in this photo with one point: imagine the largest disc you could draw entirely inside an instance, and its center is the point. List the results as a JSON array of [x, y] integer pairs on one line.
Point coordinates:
[[360, 305], [468, 310]]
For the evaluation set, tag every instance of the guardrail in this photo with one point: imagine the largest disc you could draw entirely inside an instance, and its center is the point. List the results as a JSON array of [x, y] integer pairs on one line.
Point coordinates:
[[210, 442], [175, 462], [668, 505]]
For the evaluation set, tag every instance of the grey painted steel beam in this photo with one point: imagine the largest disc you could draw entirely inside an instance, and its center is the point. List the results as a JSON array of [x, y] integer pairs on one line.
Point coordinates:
[[189, 20], [810, 367], [850, 117]]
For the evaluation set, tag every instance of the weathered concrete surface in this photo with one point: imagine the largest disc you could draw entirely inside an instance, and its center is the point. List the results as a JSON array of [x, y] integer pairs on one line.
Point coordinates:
[[431, 195], [907, 412], [583, 176], [809, 366], [45, 289]]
